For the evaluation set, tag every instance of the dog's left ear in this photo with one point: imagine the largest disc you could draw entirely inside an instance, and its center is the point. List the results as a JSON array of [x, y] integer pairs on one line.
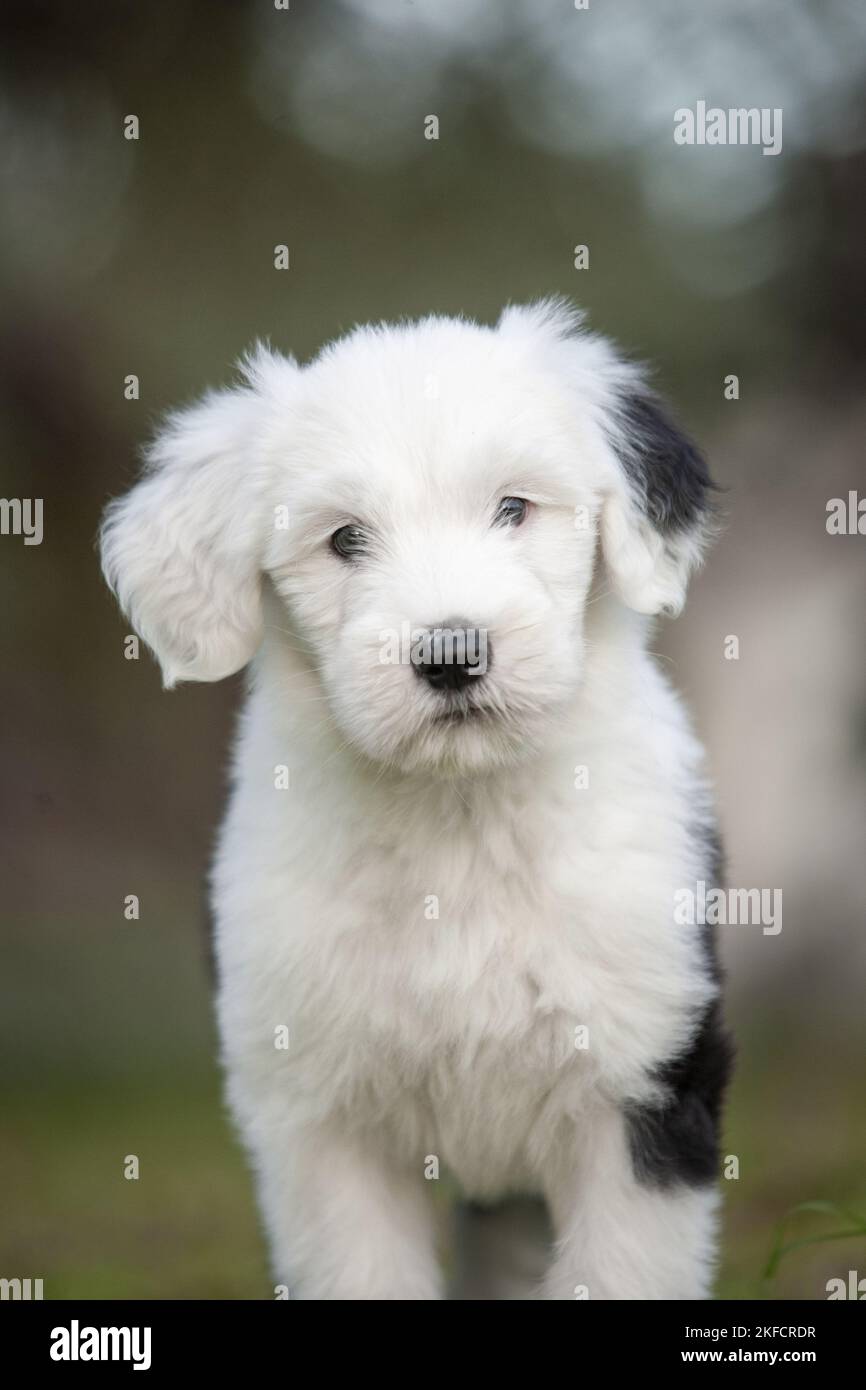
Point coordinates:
[[655, 514]]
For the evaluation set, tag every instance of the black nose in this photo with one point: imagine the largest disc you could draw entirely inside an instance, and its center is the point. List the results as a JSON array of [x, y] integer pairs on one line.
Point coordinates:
[[453, 656]]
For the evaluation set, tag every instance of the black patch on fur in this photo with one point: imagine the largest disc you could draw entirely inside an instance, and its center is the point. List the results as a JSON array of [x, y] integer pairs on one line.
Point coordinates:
[[666, 467], [677, 1140]]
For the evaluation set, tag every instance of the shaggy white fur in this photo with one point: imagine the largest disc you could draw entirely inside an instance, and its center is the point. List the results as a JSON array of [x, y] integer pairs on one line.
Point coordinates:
[[434, 908]]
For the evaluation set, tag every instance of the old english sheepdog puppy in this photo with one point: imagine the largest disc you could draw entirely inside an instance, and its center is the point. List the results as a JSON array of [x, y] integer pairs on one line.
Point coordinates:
[[464, 797]]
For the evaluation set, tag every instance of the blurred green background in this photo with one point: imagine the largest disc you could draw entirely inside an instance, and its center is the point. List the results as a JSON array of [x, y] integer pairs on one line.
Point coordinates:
[[260, 127]]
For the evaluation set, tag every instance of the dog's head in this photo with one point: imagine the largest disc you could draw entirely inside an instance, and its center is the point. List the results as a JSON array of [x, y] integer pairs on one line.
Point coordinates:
[[427, 502]]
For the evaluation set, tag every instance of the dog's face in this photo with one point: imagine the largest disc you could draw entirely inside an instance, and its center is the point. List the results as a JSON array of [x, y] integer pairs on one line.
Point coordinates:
[[432, 559], [426, 502]]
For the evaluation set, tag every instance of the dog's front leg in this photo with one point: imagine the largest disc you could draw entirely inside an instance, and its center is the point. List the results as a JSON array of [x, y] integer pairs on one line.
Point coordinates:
[[344, 1222], [620, 1235]]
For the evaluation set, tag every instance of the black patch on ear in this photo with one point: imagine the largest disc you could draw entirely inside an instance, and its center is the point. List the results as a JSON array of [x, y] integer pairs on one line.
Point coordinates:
[[677, 1140], [666, 467]]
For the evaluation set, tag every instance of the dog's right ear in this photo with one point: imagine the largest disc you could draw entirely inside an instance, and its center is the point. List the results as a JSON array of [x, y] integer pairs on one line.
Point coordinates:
[[182, 551]]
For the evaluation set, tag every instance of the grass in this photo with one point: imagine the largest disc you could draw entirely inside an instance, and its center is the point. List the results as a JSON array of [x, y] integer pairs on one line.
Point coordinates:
[[188, 1228]]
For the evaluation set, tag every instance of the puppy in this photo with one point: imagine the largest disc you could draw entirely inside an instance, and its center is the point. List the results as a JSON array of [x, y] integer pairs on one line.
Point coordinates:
[[464, 797]]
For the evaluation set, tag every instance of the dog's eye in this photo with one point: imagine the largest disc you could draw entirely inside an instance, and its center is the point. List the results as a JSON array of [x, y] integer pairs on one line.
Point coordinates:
[[349, 542], [511, 512]]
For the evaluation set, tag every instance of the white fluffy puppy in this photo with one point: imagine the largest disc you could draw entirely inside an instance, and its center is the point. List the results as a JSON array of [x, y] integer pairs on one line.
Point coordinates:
[[461, 909]]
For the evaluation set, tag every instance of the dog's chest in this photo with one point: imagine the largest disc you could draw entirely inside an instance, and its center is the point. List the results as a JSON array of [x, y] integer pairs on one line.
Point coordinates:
[[480, 976], [464, 939], [459, 988], [462, 1039]]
